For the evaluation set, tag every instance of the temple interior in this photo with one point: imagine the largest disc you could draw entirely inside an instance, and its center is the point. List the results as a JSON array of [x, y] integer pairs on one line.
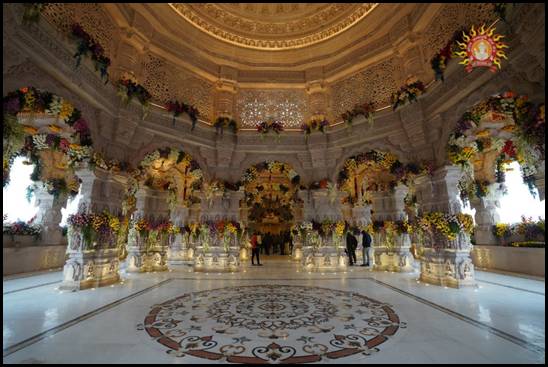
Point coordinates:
[[273, 183]]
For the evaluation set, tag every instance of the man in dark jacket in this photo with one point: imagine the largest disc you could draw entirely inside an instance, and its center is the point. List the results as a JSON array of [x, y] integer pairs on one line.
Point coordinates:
[[366, 244], [351, 245]]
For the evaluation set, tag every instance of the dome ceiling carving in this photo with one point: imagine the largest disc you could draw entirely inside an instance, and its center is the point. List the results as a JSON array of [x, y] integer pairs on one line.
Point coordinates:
[[273, 26]]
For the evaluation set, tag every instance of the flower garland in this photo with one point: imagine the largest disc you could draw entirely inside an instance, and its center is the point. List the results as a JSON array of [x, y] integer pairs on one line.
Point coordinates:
[[15, 135], [222, 121], [522, 140], [86, 44], [407, 93], [179, 107], [316, 123], [265, 127], [440, 60], [128, 89], [366, 109]]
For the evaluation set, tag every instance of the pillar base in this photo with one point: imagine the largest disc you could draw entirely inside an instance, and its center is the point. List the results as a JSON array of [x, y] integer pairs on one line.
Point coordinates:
[[324, 259], [91, 269], [397, 259], [216, 260], [447, 267]]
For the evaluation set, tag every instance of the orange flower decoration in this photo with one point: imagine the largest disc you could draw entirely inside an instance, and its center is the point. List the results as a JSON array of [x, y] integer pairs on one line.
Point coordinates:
[[24, 90]]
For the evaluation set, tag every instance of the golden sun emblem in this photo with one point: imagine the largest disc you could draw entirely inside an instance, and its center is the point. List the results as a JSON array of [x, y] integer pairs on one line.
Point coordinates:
[[481, 49]]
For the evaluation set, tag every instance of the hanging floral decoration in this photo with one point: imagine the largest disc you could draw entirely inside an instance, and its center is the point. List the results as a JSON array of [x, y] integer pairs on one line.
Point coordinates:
[[270, 125], [223, 122], [316, 123], [177, 108], [407, 93], [482, 48], [32, 12], [128, 89], [441, 59], [366, 110], [87, 45], [377, 160], [159, 168], [26, 139], [270, 198], [506, 125]]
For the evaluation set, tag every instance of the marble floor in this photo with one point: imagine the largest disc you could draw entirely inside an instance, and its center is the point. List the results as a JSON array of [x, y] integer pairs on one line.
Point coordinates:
[[274, 314]]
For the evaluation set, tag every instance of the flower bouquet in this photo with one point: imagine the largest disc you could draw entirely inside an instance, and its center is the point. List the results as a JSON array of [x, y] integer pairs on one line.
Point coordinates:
[[128, 89], [407, 93], [316, 123], [179, 107], [222, 121], [86, 44], [366, 109], [271, 125]]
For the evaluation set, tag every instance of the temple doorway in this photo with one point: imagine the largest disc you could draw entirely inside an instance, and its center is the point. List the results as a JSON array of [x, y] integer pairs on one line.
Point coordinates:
[[272, 205]]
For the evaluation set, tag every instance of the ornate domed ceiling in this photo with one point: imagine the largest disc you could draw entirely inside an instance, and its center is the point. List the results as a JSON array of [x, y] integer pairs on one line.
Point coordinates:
[[271, 26]]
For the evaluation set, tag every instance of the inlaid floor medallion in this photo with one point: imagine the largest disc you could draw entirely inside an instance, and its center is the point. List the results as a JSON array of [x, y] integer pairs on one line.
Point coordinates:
[[271, 324]]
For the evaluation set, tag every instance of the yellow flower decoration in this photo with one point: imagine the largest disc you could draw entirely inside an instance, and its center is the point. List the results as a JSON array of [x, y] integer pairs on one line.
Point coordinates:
[[54, 128], [30, 129], [483, 133], [231, 228], [509, 128], [114, 224], [66, 110]]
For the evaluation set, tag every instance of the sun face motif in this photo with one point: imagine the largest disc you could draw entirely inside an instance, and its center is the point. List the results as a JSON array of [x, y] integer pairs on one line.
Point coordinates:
[[482, 49]]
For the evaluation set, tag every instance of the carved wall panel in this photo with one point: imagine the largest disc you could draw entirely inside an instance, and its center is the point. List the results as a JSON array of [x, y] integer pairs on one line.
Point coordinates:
[[450, 18], [288, 106], [375, 84], [93, 18]]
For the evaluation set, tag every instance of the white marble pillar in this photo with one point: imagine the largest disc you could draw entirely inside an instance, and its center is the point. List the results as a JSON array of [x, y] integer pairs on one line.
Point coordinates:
[[178, 251], [361, 215], [49, 216], [443, 261], [93, 264], [539, 180], [486, 215]]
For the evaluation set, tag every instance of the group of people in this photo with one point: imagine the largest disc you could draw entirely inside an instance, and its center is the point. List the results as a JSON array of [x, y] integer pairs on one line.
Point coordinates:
[[352, 245], [258, 243]]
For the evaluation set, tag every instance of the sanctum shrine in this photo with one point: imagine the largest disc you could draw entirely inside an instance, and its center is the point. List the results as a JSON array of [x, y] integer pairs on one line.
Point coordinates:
[[356, 151]]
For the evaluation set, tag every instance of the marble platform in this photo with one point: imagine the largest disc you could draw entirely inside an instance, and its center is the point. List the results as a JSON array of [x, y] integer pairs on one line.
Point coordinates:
[[275, 313]]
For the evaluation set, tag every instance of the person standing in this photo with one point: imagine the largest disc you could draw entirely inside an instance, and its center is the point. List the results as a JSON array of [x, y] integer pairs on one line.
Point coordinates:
[[366, 244], [255, 239], [351, 244]]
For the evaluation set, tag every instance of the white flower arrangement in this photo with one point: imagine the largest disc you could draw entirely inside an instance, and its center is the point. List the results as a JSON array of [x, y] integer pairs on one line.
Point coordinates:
[[196, 174], [306, 226], [173, 155], [39, 141], [149, 158], [292, 173], [78, 153], [55, 106]]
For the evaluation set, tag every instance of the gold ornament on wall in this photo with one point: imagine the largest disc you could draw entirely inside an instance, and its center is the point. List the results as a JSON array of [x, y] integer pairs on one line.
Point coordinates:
[[482, 48]]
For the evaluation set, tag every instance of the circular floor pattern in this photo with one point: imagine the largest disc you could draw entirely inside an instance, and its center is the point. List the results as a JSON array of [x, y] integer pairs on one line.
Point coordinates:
[[271, 324]]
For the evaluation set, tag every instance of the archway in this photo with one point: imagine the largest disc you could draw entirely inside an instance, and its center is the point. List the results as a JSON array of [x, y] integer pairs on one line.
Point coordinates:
[[272, 204], [493, 133], [52, 135]]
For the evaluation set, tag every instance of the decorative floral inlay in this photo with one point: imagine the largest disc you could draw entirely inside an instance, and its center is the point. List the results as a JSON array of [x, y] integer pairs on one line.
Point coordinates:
[[271, 324]]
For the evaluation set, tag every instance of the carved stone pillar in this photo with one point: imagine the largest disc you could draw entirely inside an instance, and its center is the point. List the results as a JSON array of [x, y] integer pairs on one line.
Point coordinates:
[[327, 253], [486, 215], [445, 194], [424, 190], [49, 216], [225, 93], [382, 205], [318, 98], [147, 250], [539, 181], [178, 251], [444, 261], [361, 215], [93, 264], [398, 197]]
